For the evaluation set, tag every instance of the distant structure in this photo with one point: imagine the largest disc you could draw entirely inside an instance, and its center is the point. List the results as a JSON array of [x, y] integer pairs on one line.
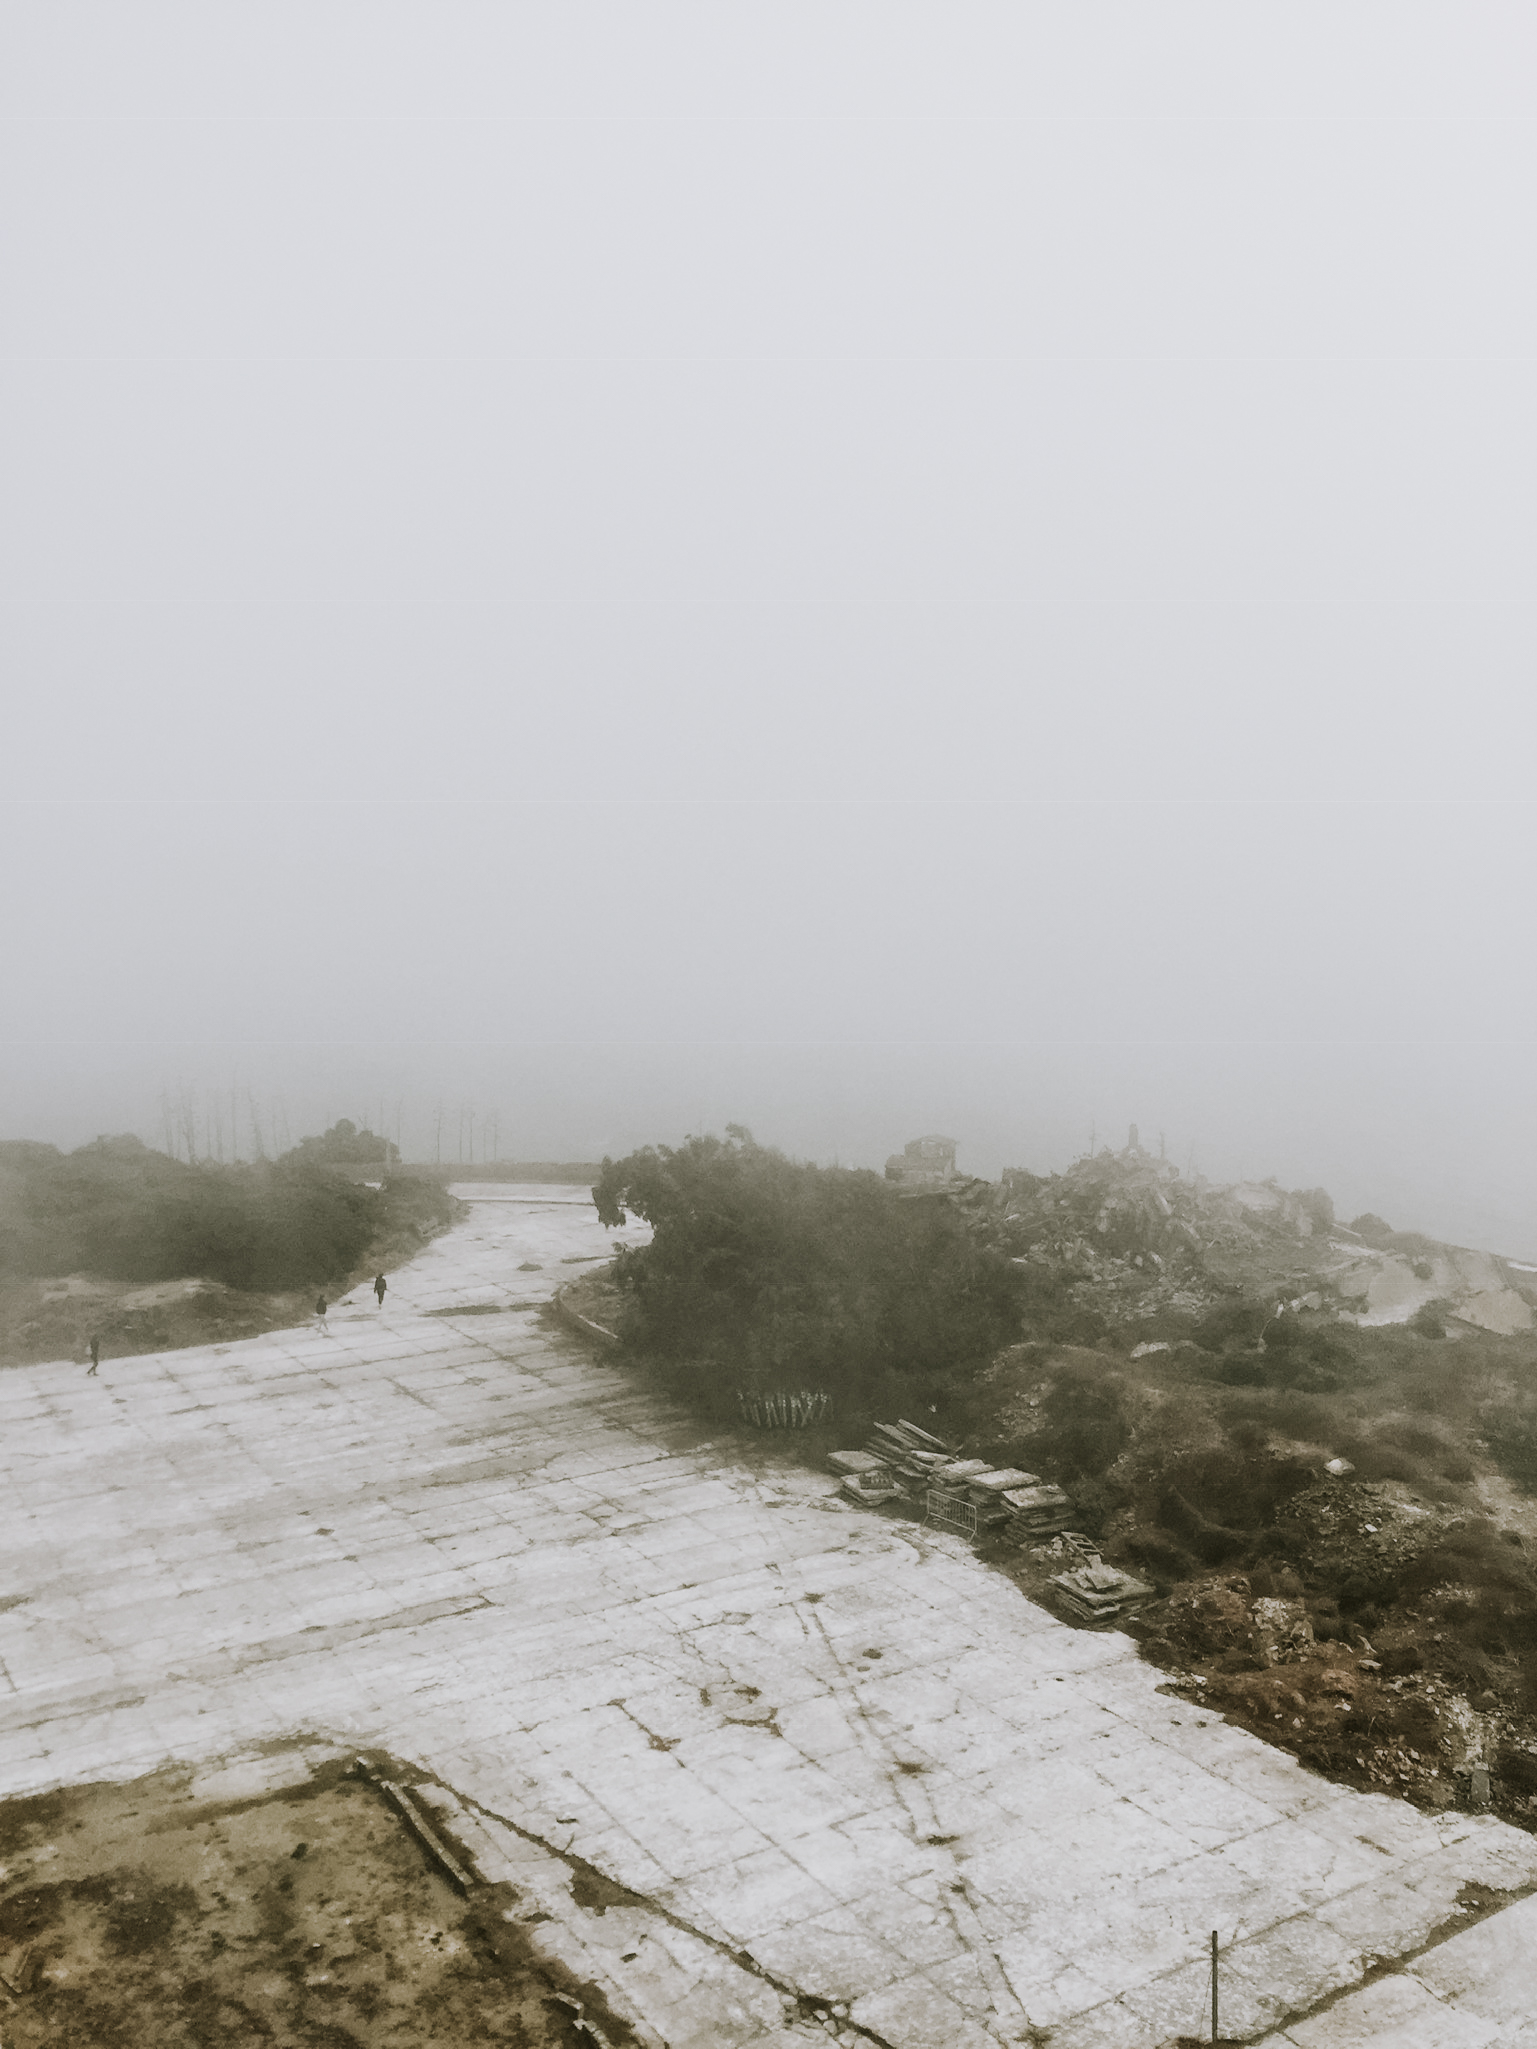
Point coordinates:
[[923, 1163]]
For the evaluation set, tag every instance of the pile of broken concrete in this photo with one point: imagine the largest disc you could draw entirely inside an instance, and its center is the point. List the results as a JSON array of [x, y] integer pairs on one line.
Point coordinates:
[[1096, 1595], [902, 1462]]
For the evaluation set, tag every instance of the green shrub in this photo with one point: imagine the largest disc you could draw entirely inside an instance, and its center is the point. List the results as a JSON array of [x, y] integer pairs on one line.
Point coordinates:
[[1294, 1354], [1510, 1431], [1290, 1411], [121, 1211], [1373, 1230], [1232, 1325], [1085, 1424], [345, 1146], [1373, 1589], [766, 1272]]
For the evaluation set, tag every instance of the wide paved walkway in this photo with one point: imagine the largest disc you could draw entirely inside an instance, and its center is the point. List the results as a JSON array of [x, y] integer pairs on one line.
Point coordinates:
[[833, 1754]]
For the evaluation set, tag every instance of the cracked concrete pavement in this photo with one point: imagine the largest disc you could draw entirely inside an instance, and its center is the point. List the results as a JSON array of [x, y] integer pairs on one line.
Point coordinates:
[[826, 1753]]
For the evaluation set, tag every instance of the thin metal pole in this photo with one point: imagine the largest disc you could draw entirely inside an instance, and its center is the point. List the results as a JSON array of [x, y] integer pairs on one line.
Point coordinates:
[[1214, 1984]]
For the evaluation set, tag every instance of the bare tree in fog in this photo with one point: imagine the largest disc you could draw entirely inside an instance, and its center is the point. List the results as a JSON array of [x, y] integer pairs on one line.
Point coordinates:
[[187, 1116]]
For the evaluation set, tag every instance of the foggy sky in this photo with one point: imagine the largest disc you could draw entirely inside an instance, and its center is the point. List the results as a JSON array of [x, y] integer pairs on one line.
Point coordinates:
[[860, 570]]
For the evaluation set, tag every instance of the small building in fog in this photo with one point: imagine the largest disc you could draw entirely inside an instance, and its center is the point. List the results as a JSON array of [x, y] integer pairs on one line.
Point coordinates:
[[923, 1163]]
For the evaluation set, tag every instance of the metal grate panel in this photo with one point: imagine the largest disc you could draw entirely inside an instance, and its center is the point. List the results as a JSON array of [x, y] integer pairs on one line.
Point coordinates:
[[950, 1512]]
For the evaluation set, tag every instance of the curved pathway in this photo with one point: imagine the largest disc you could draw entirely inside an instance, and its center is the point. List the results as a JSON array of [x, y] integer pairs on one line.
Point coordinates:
[[828, 1757]]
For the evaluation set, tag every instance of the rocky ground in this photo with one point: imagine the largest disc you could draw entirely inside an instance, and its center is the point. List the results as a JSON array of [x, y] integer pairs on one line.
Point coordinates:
[[1410, 1709], [1378, 1621], [1131, 1240], [1316, 1440]]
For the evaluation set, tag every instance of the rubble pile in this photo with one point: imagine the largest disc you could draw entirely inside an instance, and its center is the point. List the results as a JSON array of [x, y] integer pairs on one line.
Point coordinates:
[[872, 1487], [903, 1462], [911, 1454], [968, 1495], [1097, 1595], [1400, 1710], [1131, 1234], [852, 1464], [991, 1491], [1036, 1510], [1071, 1548]]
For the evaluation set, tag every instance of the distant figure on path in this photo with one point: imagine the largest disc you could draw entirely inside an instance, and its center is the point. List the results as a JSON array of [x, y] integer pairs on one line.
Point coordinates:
[[380, 1284], [320, 1311], [95, 1356]]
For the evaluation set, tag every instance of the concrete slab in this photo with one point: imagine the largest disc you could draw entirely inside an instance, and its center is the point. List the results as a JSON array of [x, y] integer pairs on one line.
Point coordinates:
[[829, 1754]]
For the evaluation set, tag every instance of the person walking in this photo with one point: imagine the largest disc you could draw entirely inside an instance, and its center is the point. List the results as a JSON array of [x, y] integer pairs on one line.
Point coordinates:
[[320, 1312], [380, 1284], [95, 1357]]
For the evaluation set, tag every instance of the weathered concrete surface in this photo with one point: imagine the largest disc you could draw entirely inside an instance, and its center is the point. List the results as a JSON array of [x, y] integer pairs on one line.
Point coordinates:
[[832, 1753], [1477, 1990]]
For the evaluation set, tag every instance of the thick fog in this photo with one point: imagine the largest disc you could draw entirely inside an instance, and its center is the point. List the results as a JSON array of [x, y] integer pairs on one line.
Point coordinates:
[[861, 570]]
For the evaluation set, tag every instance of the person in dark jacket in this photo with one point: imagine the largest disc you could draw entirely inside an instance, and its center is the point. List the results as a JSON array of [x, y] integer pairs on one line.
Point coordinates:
[[380, 1284], [320, 1311]]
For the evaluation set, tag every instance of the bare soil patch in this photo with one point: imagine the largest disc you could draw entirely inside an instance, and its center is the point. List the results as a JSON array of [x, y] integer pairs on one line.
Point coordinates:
[[56, 1317], [137, 1917]]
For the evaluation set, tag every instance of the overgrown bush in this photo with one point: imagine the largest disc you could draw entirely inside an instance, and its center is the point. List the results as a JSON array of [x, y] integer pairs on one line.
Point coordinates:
[[119, 1210], [764, 1272], [1237, 1322], [345, 1146], [1053, 1314], [1374, 1230], [1510, 1431], [1289, 1411], [1085, 1423], [1256, 1346]]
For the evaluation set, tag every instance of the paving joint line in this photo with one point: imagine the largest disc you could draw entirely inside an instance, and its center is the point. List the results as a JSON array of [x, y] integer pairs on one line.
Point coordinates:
[[582, 1867], [924, 1825], [1377, 1968]]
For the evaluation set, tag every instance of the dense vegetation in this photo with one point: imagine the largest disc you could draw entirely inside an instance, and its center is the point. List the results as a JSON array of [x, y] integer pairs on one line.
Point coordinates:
[[766, 1272], [1203, 1468], [117, 1209], [1251, 1455], [345, 1146]]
